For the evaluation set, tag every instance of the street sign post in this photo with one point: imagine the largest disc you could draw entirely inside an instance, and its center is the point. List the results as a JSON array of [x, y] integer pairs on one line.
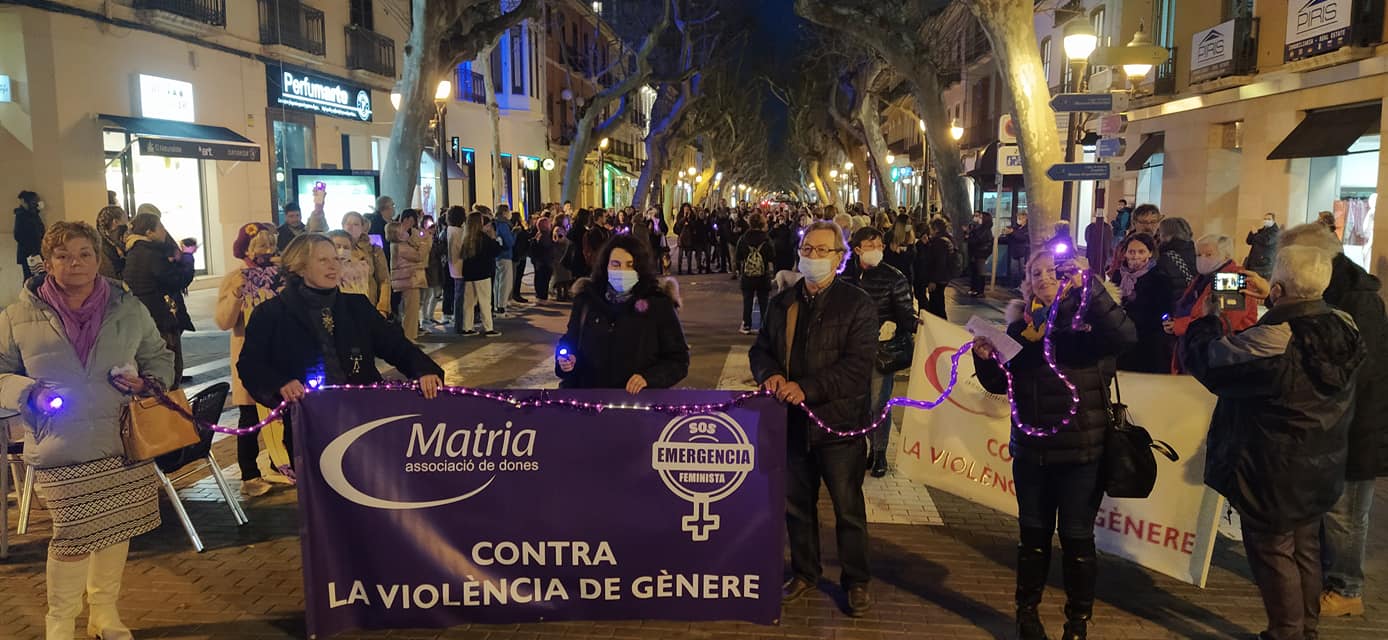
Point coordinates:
[[1009, 160], [1110, 147], [1086, 102], [1075, 171], [1113, 124]]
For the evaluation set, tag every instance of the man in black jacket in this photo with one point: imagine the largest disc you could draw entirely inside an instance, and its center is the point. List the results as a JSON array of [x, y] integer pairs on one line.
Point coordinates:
[[816, 348], [1277, 442], [293, 226], [891, 299], [1346, 527], [980, 241]]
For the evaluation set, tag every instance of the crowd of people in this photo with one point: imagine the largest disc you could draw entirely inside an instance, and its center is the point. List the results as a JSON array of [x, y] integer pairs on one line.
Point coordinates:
[[1295, 442]]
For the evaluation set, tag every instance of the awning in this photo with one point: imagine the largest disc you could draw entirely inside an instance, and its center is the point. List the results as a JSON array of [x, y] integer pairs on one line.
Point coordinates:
[[986, 170], [455, 172], [1328, 132], [1151, 145], [174, 139]]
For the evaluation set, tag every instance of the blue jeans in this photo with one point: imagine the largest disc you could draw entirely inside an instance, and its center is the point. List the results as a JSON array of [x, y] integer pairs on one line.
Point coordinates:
[[881, 393], [1344, 533], [1071, 491]]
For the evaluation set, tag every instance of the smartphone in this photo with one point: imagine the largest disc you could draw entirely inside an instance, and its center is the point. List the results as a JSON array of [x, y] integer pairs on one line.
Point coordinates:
[[377, 240], [1230, 282]]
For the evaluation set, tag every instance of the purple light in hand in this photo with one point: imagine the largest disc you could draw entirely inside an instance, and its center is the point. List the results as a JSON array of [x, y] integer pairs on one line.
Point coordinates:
[[1061, 248], [55, 404], [563, 352], [314, 383]]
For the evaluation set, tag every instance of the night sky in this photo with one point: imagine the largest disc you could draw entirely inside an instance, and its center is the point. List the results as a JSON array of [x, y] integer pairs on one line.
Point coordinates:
[[779, 33]]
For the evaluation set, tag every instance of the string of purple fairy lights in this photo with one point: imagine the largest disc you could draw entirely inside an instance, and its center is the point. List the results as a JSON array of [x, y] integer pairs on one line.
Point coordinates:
[[542, 400]]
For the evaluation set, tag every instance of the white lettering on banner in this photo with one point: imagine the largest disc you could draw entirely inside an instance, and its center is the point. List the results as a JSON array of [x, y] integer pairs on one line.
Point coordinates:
[[471, 592], [963, 447], [331, 467], [545, 553], [702, 459]]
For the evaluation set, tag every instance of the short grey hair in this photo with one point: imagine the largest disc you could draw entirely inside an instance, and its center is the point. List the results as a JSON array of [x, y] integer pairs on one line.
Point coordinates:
[[1303, 272], [1174, 229], [1223, 244], [1314, 235], [824, 225], [843, 220]]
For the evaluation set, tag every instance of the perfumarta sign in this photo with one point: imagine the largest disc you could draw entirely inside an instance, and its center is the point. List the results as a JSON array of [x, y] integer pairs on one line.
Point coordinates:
[[302, 90]]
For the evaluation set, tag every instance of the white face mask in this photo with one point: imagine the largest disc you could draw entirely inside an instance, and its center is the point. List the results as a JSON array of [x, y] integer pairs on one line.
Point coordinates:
[[343, 254], [1267, 224], [622, 281], [871, 258], [1208, 264], [40, 205], [817, 270]]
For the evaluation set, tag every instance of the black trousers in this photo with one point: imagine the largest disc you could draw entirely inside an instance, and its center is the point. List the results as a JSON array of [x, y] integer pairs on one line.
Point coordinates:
[[447, 284], [516, 278], [248, 446], [1287, 567], [840, 466], [760, 295], [935, 300], [543, 273], [976, 273], [174, 341]]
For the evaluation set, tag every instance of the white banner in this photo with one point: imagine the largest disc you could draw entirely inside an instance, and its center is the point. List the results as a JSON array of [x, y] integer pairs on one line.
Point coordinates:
[[962, 447]]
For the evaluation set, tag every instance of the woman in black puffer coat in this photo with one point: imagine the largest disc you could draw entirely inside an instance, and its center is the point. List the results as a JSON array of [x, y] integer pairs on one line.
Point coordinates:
[[1058, 473], [623, 330]]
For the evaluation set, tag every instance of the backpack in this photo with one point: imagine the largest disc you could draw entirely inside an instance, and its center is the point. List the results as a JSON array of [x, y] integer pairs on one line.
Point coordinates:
[[754, 265]]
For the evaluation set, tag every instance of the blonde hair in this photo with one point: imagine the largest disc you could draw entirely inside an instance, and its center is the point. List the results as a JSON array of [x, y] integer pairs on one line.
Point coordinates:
[[300, 250], [62, 232]]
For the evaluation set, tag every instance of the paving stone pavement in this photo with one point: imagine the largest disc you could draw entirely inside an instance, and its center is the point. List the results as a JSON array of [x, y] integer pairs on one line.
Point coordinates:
[[942, 566]]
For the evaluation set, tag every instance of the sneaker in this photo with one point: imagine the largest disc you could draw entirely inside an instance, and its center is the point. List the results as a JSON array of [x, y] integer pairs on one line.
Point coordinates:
[[1334, 605], [471, 332], [520, 301], [745, 330], [275, 477], [255, 487], [491, 334]]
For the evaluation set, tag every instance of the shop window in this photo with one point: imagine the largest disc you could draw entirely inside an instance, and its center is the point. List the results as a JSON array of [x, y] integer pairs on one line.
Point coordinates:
[[1149, 179], [1347, 187], [505, 195], [175, 185], [517, 61], [363, 14], [1046, 59], [469, 164], [293, 144]]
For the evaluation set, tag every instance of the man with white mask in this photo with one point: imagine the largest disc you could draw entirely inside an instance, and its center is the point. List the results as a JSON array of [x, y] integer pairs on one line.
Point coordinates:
[[896, 314], [815, 351]]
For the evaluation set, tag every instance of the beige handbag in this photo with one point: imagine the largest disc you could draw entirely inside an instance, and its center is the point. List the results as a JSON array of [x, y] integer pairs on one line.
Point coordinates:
[[150, 427]]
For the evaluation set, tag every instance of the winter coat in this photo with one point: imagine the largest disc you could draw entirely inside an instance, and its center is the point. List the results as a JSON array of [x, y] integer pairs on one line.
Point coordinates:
[[34, 346], [454, 237], [376, 226], [506, 237], [1192, 301], [785, 239], [1277, 442], [287, 235], [756, 240], [611, 342], [932, 261], [1263, 251], [522, 249], [1042, 400], [28, 234], [481, 265], [840, 329], [981, 241], [1176, 261], [904, 261], [379, 282], [1355, 292], [281, 345], [408, 258], [890, 293], [542, 248], [158, 283], [232, 312], [1122, 221], [112, 260], [1019, 243], [1151, 300]]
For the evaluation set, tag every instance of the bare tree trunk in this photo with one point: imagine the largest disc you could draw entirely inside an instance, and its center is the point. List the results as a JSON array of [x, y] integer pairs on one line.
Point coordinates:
[[1008, 24], [877, 148], [494, 110], [819, 184], [944, 152], [701, 187], [411, 126]]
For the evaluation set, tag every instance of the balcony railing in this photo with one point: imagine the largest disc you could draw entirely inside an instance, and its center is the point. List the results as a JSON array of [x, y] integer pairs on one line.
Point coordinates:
[[977, 44], [213, 12], [370, 51], [638, 118], [1165, 82], [471, 87], [1244, 41], [293, 24]]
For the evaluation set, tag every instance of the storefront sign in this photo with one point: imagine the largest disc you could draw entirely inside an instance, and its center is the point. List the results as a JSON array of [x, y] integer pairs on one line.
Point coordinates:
[[1009, 160], [963, 447], [306, 91], [469, 510], [199, 150], [1214, 52], [1316, 26], [166, 99]]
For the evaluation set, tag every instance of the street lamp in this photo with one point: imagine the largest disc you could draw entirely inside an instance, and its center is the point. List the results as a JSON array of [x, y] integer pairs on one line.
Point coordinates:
[[1080, 42], [441, 95], [833, 174], [955, 131], [602, 174], [1136, 59], [847, 166], [891, 159], [692, 171]]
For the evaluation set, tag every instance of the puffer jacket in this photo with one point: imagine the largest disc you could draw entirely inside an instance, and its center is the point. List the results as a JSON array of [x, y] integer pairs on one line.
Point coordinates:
[[1176, 262], [613, 341], [890, 293], [1355, 292], [841, 344], [33, 346], [1087, 358], [1277, 443], [1263, 251], [409, 257], [158, 283]]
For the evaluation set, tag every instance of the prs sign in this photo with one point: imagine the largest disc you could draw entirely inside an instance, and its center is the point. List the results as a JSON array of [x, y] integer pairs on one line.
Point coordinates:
[[1214, 52], [304, 91], [1316, 26]]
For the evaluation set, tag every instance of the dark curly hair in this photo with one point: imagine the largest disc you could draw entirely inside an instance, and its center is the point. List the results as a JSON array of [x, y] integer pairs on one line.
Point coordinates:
[[641, 258]]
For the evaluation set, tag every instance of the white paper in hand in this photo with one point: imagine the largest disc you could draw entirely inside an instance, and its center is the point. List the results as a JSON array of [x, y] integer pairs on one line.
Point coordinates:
[[1006, 347]]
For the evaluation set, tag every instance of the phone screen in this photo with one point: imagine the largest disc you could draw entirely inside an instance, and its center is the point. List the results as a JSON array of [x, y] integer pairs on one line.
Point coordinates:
[[1230, 282], [376, 240]]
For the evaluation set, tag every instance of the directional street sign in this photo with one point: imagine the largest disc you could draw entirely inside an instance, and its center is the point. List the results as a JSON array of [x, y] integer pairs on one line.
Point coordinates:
[[1071, 171], [1077, 102], [1110, 147]]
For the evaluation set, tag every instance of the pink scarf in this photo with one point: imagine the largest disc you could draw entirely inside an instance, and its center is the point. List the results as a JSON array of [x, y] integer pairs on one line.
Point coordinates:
[[84, 323]]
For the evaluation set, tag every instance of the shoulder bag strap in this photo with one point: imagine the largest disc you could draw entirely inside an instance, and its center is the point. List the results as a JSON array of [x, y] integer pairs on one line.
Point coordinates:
[[792, 316]]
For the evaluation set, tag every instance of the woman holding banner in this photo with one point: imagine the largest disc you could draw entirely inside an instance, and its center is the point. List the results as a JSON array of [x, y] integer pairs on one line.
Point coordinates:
[[312, 334], [624, 332], [1058, 427]]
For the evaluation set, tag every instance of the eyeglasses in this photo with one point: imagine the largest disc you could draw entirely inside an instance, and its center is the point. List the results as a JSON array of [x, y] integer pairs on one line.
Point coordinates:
[[818, 252]]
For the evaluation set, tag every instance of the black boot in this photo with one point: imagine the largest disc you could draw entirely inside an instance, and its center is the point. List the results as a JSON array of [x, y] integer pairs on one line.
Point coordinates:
[[1033, 565], [1080, 566]]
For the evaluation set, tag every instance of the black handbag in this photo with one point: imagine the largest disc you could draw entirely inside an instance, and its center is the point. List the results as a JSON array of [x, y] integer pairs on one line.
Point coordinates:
[[895, 354], [1130, 467]]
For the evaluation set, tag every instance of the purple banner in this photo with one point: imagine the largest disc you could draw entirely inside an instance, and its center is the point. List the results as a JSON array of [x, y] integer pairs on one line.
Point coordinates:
[[434, 513]]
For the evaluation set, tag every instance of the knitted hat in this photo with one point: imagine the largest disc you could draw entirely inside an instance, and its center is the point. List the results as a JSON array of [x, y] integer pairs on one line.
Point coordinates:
[[244, 236]]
